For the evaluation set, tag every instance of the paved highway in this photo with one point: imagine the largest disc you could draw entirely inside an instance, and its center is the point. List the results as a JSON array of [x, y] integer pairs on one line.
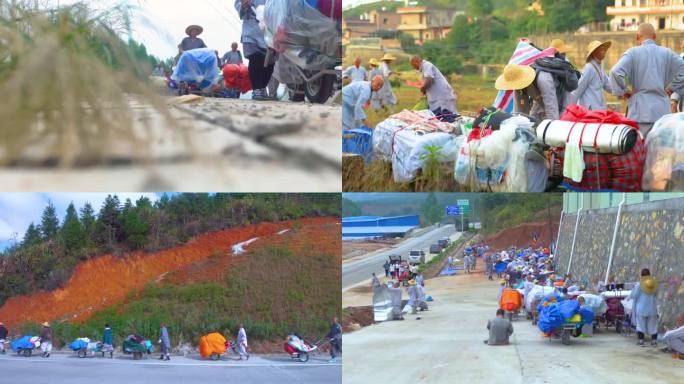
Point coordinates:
[[358, 271], [69, 369]]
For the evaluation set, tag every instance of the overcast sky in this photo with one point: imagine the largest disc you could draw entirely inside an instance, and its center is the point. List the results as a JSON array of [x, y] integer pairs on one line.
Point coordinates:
[[18, 210], [160, 24]]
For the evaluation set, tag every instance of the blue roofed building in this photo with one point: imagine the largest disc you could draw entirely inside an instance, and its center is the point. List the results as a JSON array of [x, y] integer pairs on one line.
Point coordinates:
[[371, 227]]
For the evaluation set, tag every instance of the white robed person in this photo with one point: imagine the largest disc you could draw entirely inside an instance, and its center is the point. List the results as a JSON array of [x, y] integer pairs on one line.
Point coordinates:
[[355, 96], [440, 94], [645, 309], [385, 95], [356, 72], [242, 343]]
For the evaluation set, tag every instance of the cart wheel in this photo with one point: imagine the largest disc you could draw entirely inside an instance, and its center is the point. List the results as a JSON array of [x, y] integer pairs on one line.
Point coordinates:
[[214, 356], [618, 326], [27, 352], [565, 337], [81, 353], [137, 355], [303, 357], [510, 316]]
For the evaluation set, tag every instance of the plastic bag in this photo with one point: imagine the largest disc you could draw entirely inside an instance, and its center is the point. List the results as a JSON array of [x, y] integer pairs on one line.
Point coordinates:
[[664, 169], [568, 308], [550, 318], [302, 34], [198, 66], [358, 141], [596, 303]]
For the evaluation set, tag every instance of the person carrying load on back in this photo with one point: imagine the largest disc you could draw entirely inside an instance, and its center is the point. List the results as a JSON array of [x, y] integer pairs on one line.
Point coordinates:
[[355, 96], [440, 95], [645, 309], [46, 339], [650, 69], [594, 80], [254, 45], [356, 72], [335, 336], [564, 94], [192, 41], [535, 91], [165, 342], [4, 333], [500, 329]]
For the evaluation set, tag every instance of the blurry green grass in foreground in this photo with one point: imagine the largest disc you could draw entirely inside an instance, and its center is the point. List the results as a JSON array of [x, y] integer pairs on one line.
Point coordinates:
[[66, 80]]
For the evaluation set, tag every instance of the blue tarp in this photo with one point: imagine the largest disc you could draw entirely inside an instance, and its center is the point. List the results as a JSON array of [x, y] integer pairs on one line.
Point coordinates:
[[78, 345], [548, 297], [550, 318], [448, 271], [587, 315], [358, 141], [500, 267], [198, 67], [568, 308], [23, 343]]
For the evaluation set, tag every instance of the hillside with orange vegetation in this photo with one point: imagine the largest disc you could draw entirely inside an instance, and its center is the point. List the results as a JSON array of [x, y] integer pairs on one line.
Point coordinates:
[[108, 280]]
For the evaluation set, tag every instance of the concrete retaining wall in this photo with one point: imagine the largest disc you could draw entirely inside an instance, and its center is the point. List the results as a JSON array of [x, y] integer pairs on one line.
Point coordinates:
[[651, 235]]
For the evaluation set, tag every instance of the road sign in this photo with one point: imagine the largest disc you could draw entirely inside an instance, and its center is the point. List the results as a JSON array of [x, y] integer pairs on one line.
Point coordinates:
[[453, 210], [464, 203]]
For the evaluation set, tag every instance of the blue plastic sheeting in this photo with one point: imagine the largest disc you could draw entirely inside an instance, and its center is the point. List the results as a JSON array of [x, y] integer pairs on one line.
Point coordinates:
[[548, 297], [587, 315], [23, 343], [448, 271], [500, 267], [568, 308], [550, 318], [78, 345], [198, 67], [358, 141]]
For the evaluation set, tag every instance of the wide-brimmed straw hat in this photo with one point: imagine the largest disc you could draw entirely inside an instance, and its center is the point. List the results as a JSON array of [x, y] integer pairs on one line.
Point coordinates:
[[559, 45], [46, 324], [374, 62], [388, 57], [515, 77], [648, 284], [190, 28], [412, 282], [594, 45]]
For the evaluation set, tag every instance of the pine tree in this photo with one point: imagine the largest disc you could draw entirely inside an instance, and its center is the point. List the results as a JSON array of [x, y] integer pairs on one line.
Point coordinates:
[[72, 233], [88, 222], [32, 236], [49, 223], [108, 225]]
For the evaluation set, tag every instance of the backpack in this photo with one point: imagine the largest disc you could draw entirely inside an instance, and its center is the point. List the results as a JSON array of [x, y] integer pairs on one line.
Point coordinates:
[[565, 76]]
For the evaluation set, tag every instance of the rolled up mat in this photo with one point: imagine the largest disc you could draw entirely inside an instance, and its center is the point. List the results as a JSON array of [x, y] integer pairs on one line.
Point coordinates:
[[599, 138]]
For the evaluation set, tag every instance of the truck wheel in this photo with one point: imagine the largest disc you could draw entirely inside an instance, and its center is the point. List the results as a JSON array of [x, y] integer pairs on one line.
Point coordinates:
[[320, 90], [81, 353]]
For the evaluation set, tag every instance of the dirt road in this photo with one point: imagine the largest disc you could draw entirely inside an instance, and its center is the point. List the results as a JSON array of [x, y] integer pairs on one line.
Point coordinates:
[[216, 144], [446, 346]]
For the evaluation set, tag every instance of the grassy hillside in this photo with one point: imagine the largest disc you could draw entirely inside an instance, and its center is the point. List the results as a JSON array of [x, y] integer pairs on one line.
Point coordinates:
[[500, 211], [285, 282]]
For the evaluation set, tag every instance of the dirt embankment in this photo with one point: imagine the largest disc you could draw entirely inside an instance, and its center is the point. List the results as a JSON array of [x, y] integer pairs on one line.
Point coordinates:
[[104, 281], [523, 235]]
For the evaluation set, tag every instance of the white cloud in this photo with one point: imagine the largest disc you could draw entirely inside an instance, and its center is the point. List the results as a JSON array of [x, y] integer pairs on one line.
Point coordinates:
[[19, 210]]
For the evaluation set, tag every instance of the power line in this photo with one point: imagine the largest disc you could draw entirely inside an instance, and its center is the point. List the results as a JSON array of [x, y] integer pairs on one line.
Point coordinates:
[[222, 14]]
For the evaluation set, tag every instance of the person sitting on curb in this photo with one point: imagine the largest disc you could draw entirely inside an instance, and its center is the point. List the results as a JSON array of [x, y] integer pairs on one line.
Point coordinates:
[[500, 329]]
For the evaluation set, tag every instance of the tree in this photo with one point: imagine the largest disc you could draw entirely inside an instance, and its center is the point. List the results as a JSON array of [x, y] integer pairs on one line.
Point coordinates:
[[49, 223], [350, 208], [480, 8], [72, 233], [108, 225], [32, 236], [88, 221], [431, 210]]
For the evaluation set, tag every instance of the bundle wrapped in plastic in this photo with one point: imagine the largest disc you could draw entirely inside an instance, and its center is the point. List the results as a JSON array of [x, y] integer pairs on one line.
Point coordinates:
[[80, 343], [596, 303], [664, 170], [236, 76], [213, 343], [302, 34], [535, 295], [198, 67], [550, 318], [408, 138]]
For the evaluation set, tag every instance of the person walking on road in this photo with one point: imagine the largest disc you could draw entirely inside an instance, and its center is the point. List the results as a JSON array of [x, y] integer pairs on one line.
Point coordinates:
[[255, 48], [46, 339], [335, 336], [165, 342], [107, 340], [500, 329], [386, 266], [489, 265], [192, 41], [3, 337], [242, 343], [645, 312], [234, 56], [651, 69]]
